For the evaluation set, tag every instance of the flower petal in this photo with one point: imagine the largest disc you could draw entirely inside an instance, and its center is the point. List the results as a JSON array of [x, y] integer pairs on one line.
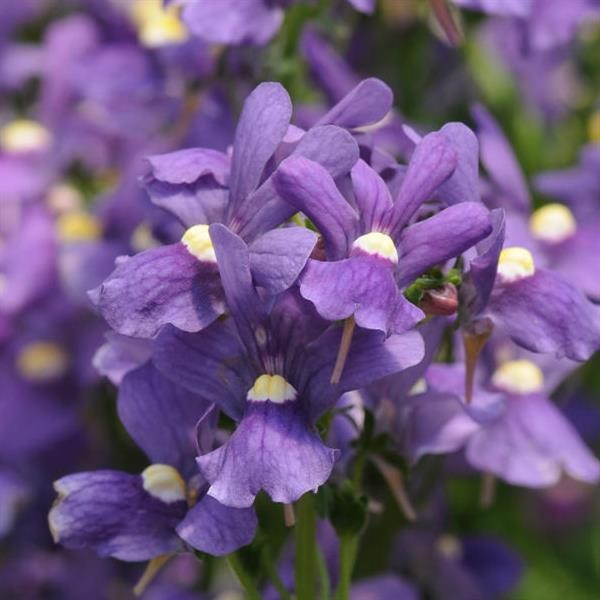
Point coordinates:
[[273, 449], [278, 257], [111, 513], [217, 529], [309, 188], [262, 125], [161, 416], [441, 237], [159, 286], [361, 286]]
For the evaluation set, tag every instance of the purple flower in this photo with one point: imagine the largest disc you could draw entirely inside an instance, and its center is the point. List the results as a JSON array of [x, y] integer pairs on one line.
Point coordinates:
[[548, 24], [578, 186], [511, 429], [179, 283], [269, 370], [139, 517], [531, 272], [243, 21], [374, 248]]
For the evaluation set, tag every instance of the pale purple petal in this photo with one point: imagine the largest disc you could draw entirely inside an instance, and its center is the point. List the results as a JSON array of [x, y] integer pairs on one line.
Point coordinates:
[[371, 194], [278, 257], [262, 125], [366, 104], [273, 449], [441, 237], [217, 529], [232, 21], [361, 286], [187, 166], [309, 188], [543, 313], [210, 363], [500, 162], [532, 445], [160, 286], [161, 416], [111, 513], [432, 163]]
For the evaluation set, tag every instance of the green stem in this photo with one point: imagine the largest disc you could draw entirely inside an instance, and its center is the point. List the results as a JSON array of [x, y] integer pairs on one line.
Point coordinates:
[[274, 576], [306, 563], [323, 576], [245, 579], [348, 550]]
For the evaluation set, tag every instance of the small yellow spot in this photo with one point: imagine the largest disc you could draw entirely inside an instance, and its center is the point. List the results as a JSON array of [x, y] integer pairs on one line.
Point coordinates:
[[142, 238], [515, 263], [519, 377], [197, 240], [552, 223], [271, 387], [379, 244], [449, 546], [164, 482], [42, 361], [78, 226], [594, 127], [24, 135], [156, 25]]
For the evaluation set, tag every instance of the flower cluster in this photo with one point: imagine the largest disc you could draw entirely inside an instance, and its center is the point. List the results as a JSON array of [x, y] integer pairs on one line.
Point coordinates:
[[256, 305]]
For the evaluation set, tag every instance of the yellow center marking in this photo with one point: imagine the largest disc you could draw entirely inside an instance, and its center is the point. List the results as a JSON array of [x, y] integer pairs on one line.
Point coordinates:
[[164, 482], [515, 263], [42, 361], [198, 243], [24, 135], [552, 223], [156, 25], [78, 226], [271, 387], [519, 377], [379, 244]]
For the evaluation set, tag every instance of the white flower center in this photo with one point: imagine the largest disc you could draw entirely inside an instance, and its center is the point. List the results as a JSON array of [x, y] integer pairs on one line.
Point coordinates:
[[379, 244], [515, 263], [519, 377], [552, 223], [272, 387], [164, 482], [198, 243], [24, 135]]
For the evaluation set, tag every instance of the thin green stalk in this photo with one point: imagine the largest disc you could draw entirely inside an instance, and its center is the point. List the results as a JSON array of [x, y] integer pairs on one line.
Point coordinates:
[[274, 576], [348, 551], [306, 547], [325, 582], [245, 579]]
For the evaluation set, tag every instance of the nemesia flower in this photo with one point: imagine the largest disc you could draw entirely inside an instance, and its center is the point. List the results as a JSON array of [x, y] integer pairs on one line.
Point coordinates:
[[375, 250], [140, 517], [269, 371], [179, 283], [243, 21], [511, 430], [577, 186]]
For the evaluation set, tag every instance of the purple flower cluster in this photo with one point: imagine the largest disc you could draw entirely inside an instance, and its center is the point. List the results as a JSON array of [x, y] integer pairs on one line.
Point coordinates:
[[236, 314], [302, 274]]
